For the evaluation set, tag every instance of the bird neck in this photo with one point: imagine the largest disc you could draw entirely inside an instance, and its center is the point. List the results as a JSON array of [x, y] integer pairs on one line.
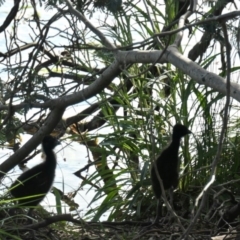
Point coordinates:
[[50, 160], [175, 144]]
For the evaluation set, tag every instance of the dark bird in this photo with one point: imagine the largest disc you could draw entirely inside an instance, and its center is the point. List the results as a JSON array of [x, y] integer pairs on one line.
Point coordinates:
[[167, 165], [33, 185]]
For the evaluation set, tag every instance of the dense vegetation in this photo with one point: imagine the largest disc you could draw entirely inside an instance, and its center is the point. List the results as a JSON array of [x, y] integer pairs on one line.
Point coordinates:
[[140, 68]]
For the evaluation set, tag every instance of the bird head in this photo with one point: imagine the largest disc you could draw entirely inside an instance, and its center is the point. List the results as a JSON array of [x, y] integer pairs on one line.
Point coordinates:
[[180, 130], [49, 142]]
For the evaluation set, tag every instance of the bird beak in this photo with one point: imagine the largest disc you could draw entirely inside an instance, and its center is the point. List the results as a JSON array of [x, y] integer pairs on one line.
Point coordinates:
[[189, 132]]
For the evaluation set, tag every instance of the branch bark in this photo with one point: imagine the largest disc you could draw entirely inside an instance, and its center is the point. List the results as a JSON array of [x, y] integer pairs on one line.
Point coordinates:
[[193, 70]]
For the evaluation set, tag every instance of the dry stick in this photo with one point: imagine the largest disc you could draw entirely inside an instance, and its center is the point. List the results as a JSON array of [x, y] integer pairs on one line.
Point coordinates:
[[203, 194], [50, 220], [227, 183]]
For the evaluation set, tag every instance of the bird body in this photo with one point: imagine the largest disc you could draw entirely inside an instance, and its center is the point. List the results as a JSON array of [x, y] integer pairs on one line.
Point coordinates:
[[33, 185], [167, 162]]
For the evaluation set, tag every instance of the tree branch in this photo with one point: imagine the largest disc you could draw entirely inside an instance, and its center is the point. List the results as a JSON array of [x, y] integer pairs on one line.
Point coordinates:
[[193, 70]]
